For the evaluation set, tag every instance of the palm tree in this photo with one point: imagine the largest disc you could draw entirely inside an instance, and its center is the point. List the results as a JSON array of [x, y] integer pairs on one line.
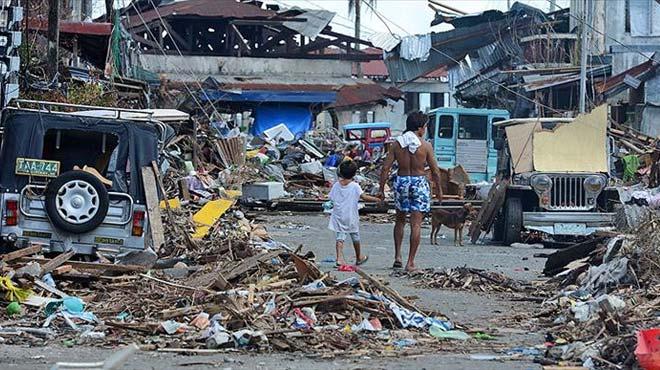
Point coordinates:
[[354, 8]]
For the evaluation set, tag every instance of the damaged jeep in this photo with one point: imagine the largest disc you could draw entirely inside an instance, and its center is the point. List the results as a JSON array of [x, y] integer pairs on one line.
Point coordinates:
[[70, 177], [558, 173]]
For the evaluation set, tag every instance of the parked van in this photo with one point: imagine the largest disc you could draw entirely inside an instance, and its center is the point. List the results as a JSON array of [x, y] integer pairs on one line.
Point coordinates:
[[465, 136]]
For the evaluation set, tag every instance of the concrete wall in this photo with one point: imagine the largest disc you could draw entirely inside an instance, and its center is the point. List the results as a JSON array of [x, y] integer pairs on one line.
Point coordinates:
[[188, 68], [392, 113]]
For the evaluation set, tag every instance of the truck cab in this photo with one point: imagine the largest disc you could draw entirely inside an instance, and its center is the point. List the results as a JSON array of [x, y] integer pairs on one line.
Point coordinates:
[[558, 176], [465, 136]]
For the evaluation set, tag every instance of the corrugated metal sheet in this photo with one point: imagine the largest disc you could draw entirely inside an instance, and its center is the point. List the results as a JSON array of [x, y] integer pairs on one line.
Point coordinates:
[[352, 93], [74, 28], [365, 93], [615, 84], [282, 83], [317, 20]]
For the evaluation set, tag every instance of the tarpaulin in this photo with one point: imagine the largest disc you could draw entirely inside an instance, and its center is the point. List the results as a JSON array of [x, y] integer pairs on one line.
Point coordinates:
[[296, 117]]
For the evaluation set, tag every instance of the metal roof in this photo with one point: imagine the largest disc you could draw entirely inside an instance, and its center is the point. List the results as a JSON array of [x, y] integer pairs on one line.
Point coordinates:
[[365, 93], [354, 126], [468, 110], [641, 72], [206, 8], [74, 28]]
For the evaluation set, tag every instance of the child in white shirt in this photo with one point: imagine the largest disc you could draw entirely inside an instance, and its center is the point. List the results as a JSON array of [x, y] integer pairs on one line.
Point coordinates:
[[345, 220]]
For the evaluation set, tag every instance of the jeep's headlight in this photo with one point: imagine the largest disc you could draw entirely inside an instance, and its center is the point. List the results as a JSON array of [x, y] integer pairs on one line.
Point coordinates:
[[594, 184], [541, 183]]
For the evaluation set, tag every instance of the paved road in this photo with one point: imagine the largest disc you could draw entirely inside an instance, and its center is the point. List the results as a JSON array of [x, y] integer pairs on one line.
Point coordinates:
[[476, 310]]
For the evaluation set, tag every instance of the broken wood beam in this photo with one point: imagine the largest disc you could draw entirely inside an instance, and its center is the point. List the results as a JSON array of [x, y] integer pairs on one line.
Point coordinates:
[[156, 228], [56, 262], [90, 265], [33, 249]]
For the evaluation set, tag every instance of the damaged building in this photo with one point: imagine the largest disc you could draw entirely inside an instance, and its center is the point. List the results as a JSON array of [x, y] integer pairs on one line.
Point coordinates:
[[523, 60], [628, 33], [253, 57]]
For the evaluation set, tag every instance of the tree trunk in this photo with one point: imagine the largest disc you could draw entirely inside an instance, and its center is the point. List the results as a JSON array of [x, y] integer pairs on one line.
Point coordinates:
[[53, 37]]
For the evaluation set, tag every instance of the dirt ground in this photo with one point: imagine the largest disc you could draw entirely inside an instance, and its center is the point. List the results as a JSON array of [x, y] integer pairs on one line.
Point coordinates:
[[474, 310]]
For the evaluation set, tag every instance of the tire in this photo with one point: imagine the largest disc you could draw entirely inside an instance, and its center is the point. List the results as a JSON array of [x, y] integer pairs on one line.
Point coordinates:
[[513, 214], [76, 202]]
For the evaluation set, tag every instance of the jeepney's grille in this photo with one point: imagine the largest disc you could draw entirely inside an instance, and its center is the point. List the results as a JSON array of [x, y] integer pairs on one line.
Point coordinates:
[[567, 194]]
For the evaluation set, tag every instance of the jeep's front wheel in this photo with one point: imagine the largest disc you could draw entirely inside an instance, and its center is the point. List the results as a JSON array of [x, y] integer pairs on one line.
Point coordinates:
[[513, 220], [76, 202]]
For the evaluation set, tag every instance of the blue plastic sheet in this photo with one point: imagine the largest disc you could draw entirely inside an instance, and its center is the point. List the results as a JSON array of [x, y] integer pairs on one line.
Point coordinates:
[[296, 117]]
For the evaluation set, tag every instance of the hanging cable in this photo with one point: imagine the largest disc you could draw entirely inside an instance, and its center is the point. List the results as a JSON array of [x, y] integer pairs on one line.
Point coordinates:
[[469, 66]]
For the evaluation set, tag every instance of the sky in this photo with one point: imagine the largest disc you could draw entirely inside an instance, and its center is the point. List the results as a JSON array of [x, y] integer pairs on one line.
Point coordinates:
[[404, 16]]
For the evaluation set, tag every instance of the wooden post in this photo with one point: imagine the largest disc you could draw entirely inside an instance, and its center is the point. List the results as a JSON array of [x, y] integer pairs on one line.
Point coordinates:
[[53, 37], [109, 8]]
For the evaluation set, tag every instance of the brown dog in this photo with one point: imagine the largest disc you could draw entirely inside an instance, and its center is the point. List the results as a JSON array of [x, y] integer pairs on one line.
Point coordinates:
[[454, 219]]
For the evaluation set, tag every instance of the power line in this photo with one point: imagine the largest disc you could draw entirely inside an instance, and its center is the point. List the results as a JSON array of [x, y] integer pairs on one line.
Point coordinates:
[[139, 14], [181, 55], [471, 68], [604, 34]]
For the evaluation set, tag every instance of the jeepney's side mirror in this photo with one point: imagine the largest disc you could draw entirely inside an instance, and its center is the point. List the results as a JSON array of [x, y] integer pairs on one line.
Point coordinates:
[[498, 143]]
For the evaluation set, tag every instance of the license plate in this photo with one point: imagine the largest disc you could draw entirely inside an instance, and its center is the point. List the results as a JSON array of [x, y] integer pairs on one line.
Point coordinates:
[[37, 167], [570, 229], [37, 234], [104, 240]]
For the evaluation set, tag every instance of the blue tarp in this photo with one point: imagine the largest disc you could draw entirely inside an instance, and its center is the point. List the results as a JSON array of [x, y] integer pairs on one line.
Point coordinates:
[[312, 97], [297, 117]]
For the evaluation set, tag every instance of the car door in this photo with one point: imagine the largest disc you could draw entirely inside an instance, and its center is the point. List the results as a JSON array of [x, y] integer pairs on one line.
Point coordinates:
[[444, 139]]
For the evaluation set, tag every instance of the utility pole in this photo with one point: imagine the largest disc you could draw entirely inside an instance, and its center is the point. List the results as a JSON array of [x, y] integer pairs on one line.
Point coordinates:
[[358, 14], [53, 37], [109, 9], [508, 4], [583, 56]]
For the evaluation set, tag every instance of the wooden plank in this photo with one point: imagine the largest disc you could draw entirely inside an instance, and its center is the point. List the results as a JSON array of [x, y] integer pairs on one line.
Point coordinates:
[[183, 189], [56, 262], [153, 208], [90, 265], [50, 289], [33, 249], [62, 270], [248, 264]]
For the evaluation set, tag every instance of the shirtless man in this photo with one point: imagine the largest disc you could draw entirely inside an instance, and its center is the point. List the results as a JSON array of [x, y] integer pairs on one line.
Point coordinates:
[[412, 194]]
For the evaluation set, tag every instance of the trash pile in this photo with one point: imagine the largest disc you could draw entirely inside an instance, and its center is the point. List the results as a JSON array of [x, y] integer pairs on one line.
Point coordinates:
[[255, 295], [609, 294], [464, 278]]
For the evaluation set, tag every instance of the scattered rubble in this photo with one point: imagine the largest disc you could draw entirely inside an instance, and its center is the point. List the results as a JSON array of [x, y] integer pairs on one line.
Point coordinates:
[[464, 278], [605, 298]]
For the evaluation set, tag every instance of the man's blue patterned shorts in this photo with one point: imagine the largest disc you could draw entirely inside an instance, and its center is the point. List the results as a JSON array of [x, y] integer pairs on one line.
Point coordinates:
[[412, 194]]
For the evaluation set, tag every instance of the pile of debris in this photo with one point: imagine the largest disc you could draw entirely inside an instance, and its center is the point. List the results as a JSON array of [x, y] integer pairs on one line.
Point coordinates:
[[254, 294], [608, 294], [465, 278]]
